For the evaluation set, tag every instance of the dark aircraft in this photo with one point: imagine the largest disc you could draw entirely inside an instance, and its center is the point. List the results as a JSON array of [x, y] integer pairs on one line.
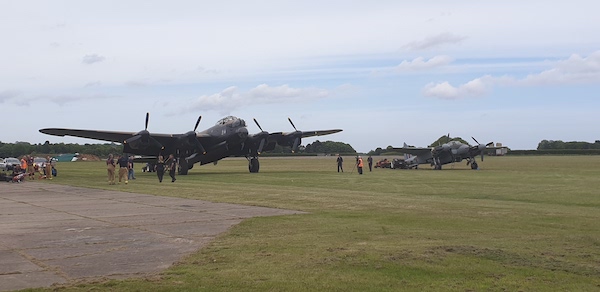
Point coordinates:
[[229, 137], [449, 152]]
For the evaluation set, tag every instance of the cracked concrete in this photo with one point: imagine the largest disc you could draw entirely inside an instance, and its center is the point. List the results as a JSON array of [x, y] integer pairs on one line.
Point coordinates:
[[56, 234]]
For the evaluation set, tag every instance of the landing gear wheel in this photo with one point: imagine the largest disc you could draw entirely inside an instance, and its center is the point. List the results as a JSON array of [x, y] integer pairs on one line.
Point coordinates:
[[183, 167], [253, 165], [474, 165]]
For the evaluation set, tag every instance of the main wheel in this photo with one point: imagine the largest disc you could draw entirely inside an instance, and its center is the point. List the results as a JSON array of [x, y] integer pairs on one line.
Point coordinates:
[[474, 165], [253, 165], [183, 167]]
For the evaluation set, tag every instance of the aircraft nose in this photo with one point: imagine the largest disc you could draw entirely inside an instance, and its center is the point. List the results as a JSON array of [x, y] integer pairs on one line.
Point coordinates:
[[242, 133]]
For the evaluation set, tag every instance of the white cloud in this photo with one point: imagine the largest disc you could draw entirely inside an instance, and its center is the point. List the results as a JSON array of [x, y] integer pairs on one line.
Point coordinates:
[[230, 98], [92, 58], [420, 63], [574, 70], [474, 88], [435, 41]]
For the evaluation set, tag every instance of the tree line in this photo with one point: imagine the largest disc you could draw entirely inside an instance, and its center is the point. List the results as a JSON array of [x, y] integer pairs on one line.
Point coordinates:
[[102, 150], [560, 145], [24, 148]]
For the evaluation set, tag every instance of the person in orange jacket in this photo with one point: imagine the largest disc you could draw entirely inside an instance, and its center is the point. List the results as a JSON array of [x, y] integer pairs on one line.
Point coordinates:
[[359, 165]]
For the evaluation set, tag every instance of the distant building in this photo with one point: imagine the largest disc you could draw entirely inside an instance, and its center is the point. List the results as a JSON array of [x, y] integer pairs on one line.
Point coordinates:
[[501, 151], [66, 157]]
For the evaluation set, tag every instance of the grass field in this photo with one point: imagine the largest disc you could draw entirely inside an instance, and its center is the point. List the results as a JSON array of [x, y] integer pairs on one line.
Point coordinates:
[[518, 224]]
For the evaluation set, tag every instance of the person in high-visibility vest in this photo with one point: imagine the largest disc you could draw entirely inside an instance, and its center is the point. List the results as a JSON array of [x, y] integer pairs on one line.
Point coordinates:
[[24, 163], [359, 165]]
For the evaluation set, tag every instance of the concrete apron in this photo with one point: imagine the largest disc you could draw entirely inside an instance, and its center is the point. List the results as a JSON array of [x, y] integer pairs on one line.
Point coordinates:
[[57, 234]]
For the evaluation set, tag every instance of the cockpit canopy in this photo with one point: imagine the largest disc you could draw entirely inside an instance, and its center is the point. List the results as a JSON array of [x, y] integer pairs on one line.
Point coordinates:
[[232, 121]]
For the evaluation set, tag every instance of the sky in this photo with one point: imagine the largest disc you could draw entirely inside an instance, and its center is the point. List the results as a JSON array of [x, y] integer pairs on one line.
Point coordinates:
[[386, 72]]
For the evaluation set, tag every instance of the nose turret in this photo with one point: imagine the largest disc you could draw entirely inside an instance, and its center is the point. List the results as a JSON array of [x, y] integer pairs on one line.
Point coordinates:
[[242, 133]]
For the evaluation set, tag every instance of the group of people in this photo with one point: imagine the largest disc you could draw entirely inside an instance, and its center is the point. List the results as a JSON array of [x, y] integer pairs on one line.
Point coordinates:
[[126, 171], [359, 163], [28, 169]]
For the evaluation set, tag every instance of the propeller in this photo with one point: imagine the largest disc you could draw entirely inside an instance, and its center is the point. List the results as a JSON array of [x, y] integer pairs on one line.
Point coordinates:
[[297, 139], [481, 147], [197, 123], [193, 139], [142, 139], [263, 140]]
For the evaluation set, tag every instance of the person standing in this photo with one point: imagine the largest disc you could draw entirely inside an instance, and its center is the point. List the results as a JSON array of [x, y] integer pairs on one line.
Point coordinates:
[[24, 164], [110, 168], [130, 172], [48, 167], [172, 164], [359, 165], [160, 168], [340, 161], [123, 164], [30, 168], [370, 162]]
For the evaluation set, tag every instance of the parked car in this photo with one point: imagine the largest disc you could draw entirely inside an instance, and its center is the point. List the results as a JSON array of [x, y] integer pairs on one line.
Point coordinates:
[[39, 161], [8, 164]]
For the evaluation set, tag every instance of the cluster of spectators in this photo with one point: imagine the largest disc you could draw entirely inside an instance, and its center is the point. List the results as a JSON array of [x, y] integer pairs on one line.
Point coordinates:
[[29, 169], [126, 171]]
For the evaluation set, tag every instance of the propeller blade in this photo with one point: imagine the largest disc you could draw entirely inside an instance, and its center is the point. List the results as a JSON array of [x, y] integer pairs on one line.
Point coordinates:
[[261, 145], [292, 124], [200, 147], [475, 140], [256, 122], [147, 118], [447, 138], [482, 154], [197, 123], [296, 143], [489, 144]]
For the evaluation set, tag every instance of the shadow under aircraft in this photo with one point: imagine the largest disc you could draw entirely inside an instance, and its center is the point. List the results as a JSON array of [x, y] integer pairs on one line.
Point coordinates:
[[449, 152], [229, 137]]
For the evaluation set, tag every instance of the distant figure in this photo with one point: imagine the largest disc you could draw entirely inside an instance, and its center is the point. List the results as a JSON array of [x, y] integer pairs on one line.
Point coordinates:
[[53, 171], [24, 163], [370, 161], [172, 164], [359, 165], [340, 161], [110, 168], [48, 167], [130, 172], [30, 167], [160, 168], [123, 164]]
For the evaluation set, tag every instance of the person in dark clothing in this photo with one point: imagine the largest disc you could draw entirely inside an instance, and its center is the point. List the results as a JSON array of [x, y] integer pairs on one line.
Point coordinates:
[[130, 172], [340, 161], [160, 168], [370, 161], [172, 164]]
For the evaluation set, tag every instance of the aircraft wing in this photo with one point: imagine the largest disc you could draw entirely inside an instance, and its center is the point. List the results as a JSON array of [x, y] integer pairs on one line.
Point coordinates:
[[414, 151], [110, 136], [303, 134], [319, 133]]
